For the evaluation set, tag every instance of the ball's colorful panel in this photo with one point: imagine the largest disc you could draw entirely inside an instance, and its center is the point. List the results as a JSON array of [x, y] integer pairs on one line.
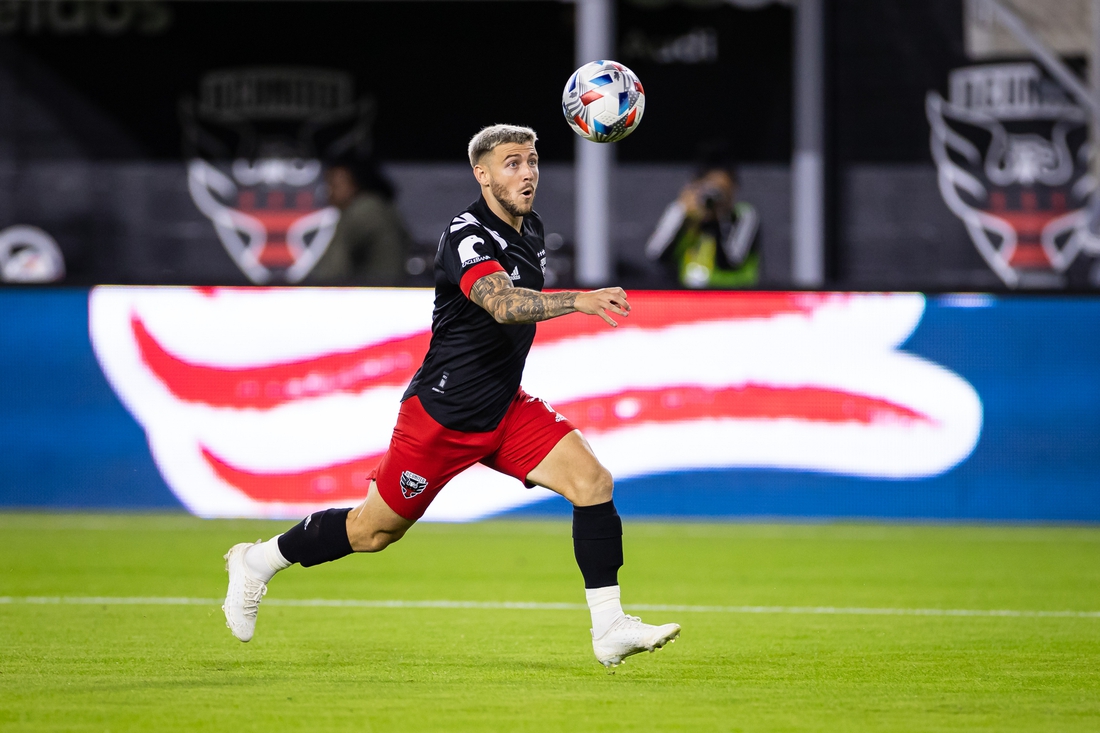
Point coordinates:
[[589, 97]]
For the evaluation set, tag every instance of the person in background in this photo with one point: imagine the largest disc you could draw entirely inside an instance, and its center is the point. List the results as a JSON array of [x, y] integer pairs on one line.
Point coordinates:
[[370, 244], [706, 237]]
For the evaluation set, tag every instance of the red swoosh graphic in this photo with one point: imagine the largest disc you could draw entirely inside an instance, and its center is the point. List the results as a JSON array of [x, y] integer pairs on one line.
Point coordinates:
[[385, 363], [335, 483], [750, 401], [393, 362], [669, 309], [347, 481]]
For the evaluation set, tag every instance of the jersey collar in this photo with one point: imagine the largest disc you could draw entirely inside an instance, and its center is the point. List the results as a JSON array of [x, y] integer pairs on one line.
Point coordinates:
[[481, 210]]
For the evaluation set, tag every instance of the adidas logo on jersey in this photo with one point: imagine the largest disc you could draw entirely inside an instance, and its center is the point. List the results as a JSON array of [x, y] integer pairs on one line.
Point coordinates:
[[515, 274]]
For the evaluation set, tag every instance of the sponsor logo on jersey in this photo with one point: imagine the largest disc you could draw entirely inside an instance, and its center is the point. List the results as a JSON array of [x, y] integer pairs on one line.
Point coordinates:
[[412, 484], [254, 139], [467, 253], [514, 275], [281, 402], [1011, 150]]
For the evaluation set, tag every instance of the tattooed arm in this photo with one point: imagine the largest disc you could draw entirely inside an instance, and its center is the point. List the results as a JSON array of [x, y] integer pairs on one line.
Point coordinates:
[[509, 304]]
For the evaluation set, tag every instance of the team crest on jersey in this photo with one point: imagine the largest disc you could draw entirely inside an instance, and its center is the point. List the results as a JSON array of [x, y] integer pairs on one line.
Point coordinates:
[[254, 139], [412, 485], [1011, 149]]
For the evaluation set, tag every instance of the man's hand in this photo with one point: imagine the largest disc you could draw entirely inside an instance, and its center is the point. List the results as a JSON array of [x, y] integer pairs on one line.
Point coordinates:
[[599, 302]]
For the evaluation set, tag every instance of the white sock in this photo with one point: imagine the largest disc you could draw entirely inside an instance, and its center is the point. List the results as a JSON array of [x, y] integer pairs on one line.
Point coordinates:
[[265, 559], [605, 607]]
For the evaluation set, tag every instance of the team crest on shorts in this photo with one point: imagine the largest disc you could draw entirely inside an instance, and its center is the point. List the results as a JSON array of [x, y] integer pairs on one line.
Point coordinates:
[[412, 484]]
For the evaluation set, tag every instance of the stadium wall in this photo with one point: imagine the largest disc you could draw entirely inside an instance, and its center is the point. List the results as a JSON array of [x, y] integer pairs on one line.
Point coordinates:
[[268, 402]]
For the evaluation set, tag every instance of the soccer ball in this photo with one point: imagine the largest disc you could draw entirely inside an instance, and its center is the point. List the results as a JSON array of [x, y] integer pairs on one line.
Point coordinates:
[[603, 101]]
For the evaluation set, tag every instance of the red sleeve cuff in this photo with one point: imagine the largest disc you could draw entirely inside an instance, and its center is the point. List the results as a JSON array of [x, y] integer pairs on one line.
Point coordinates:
[[477, 272]]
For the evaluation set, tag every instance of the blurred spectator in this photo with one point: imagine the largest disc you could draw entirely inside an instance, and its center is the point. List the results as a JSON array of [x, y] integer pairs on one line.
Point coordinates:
[[370, 243], [706, 237]]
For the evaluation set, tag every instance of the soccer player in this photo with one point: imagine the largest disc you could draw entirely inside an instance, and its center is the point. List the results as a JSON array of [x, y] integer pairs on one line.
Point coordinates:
[[465, 405]]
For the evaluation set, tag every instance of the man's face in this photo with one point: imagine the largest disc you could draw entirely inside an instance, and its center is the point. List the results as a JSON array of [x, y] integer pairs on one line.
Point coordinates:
[[513, 176]]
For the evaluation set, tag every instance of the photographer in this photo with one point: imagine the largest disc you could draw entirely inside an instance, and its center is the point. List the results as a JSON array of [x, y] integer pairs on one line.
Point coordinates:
[[370, 243], [706, 237]]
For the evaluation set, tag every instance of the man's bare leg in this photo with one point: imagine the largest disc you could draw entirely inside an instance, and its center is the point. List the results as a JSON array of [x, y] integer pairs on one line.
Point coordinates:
[[321, 537], [572, 470], [373, 526]]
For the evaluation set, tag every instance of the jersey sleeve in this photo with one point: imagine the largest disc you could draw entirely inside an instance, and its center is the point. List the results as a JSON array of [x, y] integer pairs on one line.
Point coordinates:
[[470, 255]]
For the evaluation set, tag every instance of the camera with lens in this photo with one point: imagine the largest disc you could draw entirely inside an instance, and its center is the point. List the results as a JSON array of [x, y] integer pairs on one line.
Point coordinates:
[[710, 197]]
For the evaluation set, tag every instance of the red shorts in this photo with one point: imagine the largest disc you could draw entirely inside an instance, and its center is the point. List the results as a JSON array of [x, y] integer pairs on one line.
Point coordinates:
[[423, 455]]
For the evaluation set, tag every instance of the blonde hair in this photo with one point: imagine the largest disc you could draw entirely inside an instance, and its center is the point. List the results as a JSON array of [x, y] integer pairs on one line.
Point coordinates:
[[489, 137]]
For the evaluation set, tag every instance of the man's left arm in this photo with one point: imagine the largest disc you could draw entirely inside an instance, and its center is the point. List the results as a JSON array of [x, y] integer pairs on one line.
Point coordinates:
[[509, 305]]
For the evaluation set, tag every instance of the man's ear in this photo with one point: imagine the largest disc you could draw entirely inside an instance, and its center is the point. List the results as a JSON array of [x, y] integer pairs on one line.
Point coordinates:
[[481, 175]]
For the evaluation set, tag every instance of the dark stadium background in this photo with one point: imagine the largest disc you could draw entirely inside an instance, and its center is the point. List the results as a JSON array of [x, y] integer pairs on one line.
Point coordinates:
[[92, 108]]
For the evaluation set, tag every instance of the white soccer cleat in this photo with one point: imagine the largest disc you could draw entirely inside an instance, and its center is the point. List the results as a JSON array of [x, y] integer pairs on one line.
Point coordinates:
[[242, 600], [629, 636]]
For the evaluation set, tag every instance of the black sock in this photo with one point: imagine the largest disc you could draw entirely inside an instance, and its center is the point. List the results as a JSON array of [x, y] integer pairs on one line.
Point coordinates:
[[320, 537], [598, 544]]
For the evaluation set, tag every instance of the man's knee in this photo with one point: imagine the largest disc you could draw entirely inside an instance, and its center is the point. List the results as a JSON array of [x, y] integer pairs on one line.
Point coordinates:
[[594, 487], [375, 541], [368, 534], [373, 525]]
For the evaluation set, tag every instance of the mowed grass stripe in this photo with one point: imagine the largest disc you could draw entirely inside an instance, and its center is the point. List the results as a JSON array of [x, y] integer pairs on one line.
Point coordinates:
[[530, 606]]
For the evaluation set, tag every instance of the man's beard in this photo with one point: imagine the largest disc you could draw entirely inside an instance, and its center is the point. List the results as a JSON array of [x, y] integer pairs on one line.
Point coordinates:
[[500, 193]]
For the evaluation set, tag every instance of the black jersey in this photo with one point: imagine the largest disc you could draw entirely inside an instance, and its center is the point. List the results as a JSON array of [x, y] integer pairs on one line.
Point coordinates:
[[474, 364]]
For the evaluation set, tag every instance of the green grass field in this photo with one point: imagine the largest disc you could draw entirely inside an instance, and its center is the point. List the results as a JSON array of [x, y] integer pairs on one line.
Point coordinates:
[[76, 664]]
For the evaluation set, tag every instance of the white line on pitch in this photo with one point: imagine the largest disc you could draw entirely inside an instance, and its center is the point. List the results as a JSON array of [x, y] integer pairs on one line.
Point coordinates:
[[531, 606]]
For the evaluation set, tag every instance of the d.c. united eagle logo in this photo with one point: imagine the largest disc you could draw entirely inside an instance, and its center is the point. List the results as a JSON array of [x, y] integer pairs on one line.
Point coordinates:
[[1012, 153], [254, 139]]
